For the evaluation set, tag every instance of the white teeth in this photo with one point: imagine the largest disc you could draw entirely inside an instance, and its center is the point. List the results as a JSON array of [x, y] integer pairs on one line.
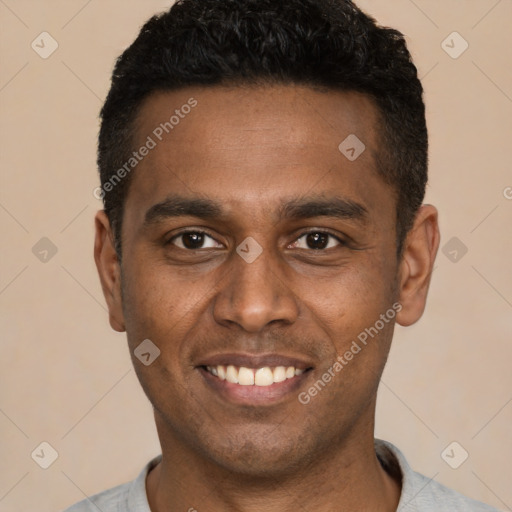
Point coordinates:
[[244, 376], [232, 374], [279, 374], [264, 377], [221, 372]]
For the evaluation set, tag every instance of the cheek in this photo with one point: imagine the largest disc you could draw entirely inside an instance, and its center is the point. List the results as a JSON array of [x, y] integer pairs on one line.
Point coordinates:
[[348, 309], [162, 310], [360, 338], [156, 297], [352, 297], [166, 307]]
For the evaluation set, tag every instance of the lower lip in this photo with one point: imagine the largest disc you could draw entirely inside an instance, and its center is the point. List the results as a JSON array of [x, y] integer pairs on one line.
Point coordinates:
[[254, 395]]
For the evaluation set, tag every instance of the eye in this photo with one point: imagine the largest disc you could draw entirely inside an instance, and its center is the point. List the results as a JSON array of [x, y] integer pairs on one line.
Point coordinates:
[[193, 240], [317, 240]]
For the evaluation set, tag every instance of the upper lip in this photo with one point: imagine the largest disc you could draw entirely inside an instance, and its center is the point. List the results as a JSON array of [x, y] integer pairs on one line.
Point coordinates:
[[255, 360]]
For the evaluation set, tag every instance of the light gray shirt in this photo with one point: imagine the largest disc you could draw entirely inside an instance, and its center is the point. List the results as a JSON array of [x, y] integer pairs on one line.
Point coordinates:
[[419, 493]]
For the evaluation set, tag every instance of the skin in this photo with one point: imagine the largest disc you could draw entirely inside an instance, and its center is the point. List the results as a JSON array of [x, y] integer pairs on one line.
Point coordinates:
[[251, 150]]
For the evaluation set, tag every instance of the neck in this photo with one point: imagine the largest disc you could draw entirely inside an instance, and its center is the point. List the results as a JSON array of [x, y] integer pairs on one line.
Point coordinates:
[[348, 477]]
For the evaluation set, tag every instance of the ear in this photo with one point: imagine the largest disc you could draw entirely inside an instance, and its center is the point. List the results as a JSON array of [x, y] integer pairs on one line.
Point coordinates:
[[109, 270], [415, 270]]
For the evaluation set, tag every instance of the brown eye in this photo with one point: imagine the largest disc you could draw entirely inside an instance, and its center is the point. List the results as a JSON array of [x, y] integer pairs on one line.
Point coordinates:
[[194, 240], [317, 240]]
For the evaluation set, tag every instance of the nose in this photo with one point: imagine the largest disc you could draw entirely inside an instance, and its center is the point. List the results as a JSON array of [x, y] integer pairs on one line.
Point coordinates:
[[256, 294]]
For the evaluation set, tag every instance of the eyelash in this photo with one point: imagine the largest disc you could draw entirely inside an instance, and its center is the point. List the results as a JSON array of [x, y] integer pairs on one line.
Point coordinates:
[[340, 241]]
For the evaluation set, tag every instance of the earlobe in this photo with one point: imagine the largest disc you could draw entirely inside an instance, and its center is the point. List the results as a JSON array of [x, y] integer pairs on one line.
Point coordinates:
[[419, 253], [109, 270]]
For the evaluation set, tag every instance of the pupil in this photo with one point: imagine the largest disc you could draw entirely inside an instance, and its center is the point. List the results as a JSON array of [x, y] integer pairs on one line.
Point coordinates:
[[317, 240], [193, 240]]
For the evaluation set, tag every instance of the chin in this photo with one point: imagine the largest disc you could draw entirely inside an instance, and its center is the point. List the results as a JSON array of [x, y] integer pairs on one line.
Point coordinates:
[[255, 454]]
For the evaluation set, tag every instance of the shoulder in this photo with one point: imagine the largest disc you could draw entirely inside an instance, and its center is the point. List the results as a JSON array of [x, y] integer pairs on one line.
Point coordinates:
[[106, 501], [129, 497], [433, 496], [422, 494]]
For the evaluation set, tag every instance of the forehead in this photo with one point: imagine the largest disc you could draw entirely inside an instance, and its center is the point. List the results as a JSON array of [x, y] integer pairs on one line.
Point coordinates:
[[240, 117], [252, 146]]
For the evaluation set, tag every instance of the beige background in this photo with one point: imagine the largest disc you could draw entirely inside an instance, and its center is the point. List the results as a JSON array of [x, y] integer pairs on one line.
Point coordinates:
[[67, 378]]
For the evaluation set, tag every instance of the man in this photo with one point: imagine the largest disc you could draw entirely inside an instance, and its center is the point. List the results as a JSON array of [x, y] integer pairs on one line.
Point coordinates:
[[263, 166]]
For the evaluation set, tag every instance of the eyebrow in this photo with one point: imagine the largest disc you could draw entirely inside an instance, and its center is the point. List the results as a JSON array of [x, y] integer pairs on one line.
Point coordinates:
[[336, 207], [179, 206], [301, 208]]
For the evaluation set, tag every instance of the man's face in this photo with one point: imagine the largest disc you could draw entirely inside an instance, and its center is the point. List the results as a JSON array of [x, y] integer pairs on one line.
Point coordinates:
[[264, 163]]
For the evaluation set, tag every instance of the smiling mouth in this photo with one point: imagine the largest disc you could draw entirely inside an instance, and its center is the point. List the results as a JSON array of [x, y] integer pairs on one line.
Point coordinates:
[[263, 377], [254, 379]]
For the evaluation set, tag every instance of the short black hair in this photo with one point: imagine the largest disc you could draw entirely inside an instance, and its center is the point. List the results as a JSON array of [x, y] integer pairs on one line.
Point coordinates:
[[329, 44]]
